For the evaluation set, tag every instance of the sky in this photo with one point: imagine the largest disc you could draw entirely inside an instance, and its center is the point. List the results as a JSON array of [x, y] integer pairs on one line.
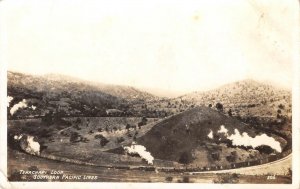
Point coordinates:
[[167, 47]]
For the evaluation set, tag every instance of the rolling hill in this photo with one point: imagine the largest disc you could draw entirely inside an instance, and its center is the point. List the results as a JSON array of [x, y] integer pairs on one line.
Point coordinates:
[[124, 92], [195, 136], [247, 97]]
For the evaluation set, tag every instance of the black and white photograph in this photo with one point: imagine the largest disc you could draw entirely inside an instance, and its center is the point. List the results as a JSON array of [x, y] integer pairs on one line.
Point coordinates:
[[198, 92]]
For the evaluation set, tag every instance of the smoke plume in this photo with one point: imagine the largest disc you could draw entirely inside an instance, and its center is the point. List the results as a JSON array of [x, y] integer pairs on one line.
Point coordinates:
[[28, 144], [210, 134], [245, 140], [33, 107], [16, 107], [223, 130], [141, 151], [9, 99]]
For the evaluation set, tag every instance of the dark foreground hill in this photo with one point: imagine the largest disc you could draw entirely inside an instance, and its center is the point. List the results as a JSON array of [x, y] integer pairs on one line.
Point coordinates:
[[185, 138]]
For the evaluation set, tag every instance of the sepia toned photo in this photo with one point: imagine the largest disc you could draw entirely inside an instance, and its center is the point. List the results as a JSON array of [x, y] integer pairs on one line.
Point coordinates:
[[150, 92]]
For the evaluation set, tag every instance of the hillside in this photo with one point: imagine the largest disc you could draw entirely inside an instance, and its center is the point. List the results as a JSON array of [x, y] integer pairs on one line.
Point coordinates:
[[196, 136], [245, 98], [70, 95], [124, 92]]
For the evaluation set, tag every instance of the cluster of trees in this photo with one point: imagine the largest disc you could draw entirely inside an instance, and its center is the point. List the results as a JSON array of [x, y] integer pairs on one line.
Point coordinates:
[[140, 124], [76, 137]]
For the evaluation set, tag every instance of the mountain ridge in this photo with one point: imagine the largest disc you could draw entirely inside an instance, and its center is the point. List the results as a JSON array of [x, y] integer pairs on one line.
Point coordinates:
[[120, 91]]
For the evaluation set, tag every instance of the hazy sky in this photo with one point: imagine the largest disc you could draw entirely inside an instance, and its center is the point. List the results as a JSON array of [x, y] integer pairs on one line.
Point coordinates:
[[178, 47]]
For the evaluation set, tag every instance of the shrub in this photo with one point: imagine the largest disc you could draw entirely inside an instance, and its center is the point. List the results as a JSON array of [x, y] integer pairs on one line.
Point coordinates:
[[185, 158], [103, 141], [281, 106], [215, 156], [264, 149], [219, 106], [128, 126], [75, 137], [230, 112], [169, 179], [232, 157], [186, 179]]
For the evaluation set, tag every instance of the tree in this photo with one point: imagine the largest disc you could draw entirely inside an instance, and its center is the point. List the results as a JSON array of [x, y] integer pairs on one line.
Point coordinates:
[[144, 120], [230, 112], [75, 137], [219, 106], [103, 141], [210, 105], [169, 179], [128, 126], [185, 158], [232, 157], [281, 106]]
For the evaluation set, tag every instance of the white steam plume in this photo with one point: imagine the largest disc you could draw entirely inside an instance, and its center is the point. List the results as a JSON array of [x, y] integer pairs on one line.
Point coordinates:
[[33, 147], [9, 99], [245, 140], [141, 151], [21, 104], [28, 145], [223, 130], [210, 135]]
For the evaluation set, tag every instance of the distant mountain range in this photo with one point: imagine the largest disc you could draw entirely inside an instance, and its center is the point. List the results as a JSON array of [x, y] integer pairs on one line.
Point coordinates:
[[124, 92], [52, 92]]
